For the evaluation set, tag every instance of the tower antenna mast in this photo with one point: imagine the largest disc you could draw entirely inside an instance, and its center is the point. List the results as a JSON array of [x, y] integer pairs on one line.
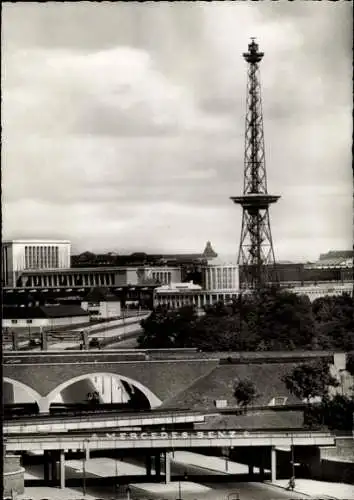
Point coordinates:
[[256, 252]]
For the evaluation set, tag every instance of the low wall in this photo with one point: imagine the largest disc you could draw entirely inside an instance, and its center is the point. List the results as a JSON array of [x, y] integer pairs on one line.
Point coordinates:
[[339, 471], [13, 476]]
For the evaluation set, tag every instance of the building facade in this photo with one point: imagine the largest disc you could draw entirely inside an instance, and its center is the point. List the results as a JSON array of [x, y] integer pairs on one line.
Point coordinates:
[[20, 255], [220, 276], [96, 277], [43, 316]]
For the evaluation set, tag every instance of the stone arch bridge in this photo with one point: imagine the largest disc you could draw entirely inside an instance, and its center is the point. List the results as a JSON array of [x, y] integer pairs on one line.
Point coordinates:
[[167, 378]]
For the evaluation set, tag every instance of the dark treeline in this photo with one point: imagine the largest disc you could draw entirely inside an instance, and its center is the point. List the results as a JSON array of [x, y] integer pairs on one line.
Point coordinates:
[[268, 320]]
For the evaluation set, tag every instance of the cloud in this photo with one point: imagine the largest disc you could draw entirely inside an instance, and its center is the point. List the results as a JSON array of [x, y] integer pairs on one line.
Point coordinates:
[[123, 124]]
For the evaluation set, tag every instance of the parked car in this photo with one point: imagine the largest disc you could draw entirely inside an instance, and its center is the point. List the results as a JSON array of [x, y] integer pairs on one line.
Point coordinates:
[[94, 343]]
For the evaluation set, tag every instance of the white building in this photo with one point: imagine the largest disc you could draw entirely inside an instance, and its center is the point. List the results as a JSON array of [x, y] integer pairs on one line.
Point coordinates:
[[49, 317], [20, 255], [218, 276], [189, 294], [220, 282]]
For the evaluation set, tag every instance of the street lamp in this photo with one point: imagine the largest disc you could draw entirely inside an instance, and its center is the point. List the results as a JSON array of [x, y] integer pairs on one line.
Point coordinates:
[[116, 475], [84, 469], [185, 477], [291, 485]]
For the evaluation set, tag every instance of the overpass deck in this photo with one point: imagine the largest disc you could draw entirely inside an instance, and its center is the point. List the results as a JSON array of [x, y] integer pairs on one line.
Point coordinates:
[[168, 440], [49, 424]]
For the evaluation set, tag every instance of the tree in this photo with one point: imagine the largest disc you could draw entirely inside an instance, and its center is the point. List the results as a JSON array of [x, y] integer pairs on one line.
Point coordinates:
[[334, 319], [338, 412], [350, 363], [245, 392], [166, 328], [310, 380], [270, 319]]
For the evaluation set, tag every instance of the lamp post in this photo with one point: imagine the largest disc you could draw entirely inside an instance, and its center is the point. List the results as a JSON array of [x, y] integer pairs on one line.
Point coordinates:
[[185, 477], [116, 475], [291, 485], [84, 469]]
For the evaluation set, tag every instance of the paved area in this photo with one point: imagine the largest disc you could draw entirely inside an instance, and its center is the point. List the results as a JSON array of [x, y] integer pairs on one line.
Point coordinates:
[[321, 489], [108, 330], [92, 493], [189, 491], [101, 330], [106, 467], [216, 464], [225, 491]]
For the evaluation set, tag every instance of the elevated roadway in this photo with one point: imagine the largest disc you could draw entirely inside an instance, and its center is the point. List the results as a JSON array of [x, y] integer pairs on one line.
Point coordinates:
[[102, 440]]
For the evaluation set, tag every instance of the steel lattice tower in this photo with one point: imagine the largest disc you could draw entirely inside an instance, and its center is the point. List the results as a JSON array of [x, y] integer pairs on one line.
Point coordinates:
[[256, 252]]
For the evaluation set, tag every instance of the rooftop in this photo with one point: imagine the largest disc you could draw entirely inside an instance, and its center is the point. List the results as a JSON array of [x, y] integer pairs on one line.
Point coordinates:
[[331, 262], [34, 241], [53, 311]]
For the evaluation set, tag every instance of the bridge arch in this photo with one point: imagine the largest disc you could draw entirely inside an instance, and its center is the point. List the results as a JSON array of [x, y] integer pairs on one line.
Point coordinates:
[[154, 401], [32, 393]]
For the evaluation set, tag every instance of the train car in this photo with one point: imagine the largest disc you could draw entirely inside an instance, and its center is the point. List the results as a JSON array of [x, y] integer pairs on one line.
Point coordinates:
[[20, 409], [69, 408]]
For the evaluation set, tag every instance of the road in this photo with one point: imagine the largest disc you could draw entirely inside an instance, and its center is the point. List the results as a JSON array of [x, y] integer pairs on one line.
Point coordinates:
[[130, 343], [226, 491], [190, 490]]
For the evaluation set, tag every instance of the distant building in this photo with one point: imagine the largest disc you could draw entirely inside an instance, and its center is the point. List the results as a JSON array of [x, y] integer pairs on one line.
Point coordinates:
[[332, 266], [20, 255], [44, 316], [89, 259]]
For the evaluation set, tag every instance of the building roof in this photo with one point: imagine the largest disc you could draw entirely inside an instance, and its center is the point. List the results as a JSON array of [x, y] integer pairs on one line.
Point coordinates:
[[218, 261], [54, 311], [337, 254], [35, 241], [76, 270], [331, 262]]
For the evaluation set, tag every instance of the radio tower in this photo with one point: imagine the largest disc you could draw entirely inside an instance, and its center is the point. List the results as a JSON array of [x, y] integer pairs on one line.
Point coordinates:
[[256, 253]]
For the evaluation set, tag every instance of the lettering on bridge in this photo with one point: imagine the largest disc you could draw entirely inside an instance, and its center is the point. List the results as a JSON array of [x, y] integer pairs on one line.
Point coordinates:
[[151, 436]]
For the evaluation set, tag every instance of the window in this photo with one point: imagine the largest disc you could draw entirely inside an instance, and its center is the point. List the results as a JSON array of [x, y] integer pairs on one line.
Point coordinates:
[[29, 321], [14, 321]]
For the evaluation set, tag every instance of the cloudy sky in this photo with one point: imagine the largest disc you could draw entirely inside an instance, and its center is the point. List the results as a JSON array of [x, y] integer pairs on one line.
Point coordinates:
[[123, 124]]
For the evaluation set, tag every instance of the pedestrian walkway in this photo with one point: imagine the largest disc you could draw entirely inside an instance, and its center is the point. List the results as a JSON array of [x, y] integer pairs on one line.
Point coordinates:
[[320, 489], [50, 493], [217, 464], [106, 467], [174, 489]]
